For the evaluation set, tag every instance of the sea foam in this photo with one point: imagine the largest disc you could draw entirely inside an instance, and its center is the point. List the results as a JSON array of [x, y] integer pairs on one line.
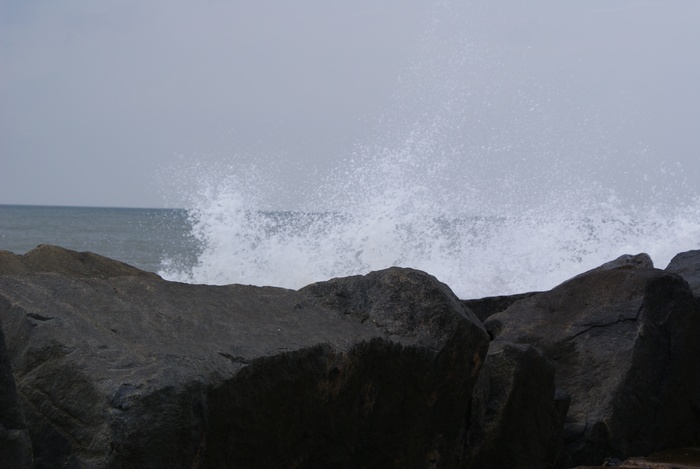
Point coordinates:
[[384, 217]]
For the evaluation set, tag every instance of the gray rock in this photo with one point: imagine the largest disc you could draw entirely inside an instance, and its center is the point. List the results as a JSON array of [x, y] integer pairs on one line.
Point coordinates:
[[488, 306], [625, 346], [119, 368], [687, 265]]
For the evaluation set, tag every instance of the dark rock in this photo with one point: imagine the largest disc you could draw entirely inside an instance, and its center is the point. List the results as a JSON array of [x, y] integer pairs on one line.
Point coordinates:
[[122, 369], [624, 343], [517, 415], [15, 444], [687, 265], [400, 302], [484, 308], [490, 305]]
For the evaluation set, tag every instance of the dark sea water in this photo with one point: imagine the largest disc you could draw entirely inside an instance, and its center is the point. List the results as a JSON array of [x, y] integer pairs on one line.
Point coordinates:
[[140, 237]]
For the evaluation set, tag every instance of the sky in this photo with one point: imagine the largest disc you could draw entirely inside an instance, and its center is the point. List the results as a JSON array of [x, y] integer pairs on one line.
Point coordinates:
[[107, 103]]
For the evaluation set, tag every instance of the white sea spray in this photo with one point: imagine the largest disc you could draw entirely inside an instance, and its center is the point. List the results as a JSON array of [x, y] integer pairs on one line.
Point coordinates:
[[494, 183], [390, 222]]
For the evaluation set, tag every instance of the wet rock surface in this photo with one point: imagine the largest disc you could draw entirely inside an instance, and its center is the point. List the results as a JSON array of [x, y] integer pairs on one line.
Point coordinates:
[[119, 368]]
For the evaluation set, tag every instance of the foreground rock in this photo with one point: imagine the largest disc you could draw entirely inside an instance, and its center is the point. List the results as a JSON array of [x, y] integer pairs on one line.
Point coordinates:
[[119, 368], [115, 367], [623, 340]]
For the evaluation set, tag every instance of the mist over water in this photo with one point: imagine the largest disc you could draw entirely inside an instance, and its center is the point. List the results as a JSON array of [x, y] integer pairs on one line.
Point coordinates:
[[489, 171]]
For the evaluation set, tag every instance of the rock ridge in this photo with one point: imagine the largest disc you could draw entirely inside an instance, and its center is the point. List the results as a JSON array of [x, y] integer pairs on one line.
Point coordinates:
[[119, 368], [105, 366]]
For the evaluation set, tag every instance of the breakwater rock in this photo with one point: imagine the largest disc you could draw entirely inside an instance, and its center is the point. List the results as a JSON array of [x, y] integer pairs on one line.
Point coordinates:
[[117, 368], [624, 342], [114, 367]]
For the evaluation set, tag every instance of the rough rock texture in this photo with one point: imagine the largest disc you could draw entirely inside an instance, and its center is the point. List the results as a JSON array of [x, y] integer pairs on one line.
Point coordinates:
[[687, 265], [517, 415], [624, 344], [115, 367], [15, 444], [119, 368]]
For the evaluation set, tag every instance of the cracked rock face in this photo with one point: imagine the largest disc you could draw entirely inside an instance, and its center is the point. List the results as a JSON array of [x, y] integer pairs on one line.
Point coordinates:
[[624, 344], [118, 368]]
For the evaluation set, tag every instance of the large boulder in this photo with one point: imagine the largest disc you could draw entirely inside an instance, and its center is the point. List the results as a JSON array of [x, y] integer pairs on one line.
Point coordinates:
[[687, 265], [624, 341], [119, 368]]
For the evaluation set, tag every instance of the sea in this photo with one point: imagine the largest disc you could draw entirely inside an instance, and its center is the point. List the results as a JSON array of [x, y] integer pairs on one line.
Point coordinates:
[[222, 241], [137, 236]]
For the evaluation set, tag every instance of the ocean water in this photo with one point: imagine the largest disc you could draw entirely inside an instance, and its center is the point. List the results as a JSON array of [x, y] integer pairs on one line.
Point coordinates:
[[140, 237], [222, 241]]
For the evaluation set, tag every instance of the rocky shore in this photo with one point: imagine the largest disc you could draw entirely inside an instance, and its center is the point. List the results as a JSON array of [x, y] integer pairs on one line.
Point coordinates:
[[106, 366]]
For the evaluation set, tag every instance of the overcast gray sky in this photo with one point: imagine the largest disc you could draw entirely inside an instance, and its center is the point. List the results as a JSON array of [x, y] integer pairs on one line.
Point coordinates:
[[100, 99]]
